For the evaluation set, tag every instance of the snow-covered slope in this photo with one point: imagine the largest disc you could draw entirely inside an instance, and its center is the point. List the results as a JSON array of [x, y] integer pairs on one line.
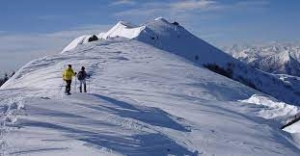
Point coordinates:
[[122, 29], [76, 42], [172, 37], [273, 58], [142, 101]]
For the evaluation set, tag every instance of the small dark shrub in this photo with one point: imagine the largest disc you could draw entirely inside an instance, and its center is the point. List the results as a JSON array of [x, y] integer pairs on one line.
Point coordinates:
[[175, 23], [247, 83], [93, 38], [4, 79], [215, 68]]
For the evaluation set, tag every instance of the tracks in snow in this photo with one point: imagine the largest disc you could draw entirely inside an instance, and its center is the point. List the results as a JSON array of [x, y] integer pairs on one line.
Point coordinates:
[[9, 109]]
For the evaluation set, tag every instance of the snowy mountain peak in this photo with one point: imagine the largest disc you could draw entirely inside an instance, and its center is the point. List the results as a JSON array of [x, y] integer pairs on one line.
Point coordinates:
[[123, 29], [161, 19], [146, 32], [126, 24]]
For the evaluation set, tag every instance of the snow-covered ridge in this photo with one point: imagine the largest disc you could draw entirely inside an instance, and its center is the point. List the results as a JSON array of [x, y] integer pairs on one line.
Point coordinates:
[[141, 101], [173, 38], [162, 34], [123, 29], [76, 42]]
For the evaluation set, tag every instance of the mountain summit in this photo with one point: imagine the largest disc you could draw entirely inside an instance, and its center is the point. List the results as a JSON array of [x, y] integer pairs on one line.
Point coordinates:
[[150, 93]]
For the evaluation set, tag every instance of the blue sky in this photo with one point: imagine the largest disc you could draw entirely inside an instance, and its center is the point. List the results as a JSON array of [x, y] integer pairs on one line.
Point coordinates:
[[32, 28]]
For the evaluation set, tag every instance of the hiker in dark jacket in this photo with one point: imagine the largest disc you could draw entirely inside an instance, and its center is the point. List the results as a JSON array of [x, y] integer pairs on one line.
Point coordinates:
[[82, 75]]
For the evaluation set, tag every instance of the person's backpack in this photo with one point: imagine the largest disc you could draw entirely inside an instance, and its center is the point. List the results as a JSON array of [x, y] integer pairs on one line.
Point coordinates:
[[80, 75]]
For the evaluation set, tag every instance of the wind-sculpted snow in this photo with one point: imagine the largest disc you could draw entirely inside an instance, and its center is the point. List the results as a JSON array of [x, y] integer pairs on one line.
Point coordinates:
[[123, 29], [142, 101], [278, 111], [76, 42]]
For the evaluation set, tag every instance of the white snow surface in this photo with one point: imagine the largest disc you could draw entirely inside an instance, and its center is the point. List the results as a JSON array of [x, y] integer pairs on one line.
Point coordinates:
[[123, 29], [142, 101], [170, 37], [276, 110], [76, 42]]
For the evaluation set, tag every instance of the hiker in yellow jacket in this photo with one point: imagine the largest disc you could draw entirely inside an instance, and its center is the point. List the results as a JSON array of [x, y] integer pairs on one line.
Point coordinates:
[[67, 76]]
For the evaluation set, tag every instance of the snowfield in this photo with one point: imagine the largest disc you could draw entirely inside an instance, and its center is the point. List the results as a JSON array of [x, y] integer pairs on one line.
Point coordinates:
[[141, 101]]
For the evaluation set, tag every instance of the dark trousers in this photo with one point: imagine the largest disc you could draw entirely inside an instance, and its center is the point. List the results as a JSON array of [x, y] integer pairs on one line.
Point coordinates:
[[68, 86]]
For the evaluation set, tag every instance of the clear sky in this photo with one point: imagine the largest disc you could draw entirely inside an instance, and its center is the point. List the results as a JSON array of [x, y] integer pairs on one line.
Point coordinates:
[[33, 28]]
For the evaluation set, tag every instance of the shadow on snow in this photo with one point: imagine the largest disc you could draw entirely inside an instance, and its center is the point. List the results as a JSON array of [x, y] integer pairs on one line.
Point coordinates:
[[143, 144], [149, 115]]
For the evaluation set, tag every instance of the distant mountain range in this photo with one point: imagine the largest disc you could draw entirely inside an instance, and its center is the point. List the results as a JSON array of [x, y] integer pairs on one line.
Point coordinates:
[[277, 58]]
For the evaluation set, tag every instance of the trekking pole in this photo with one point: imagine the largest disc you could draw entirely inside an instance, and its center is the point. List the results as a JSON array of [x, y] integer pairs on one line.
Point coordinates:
[[61, 86], [75, 85], [89, 85]]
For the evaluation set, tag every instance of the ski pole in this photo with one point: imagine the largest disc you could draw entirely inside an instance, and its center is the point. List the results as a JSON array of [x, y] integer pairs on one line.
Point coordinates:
[[89, 85], [75, 85], [61, 86]]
